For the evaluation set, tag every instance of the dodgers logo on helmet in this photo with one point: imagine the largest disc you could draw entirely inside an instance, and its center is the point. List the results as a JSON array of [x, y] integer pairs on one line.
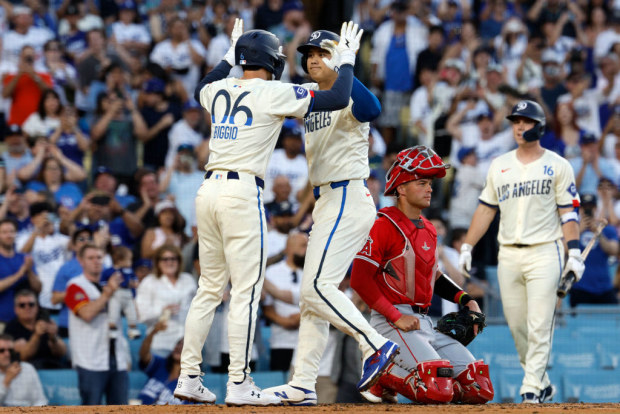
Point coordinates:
[[314, 36], [521, 105]]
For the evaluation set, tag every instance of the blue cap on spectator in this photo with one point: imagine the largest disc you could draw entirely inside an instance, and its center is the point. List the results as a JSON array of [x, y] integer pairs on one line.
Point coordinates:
[[103, 170], [13, 129], [283, 208], [292, 5], [295, 131], [144, 263], [191, 104], [127, 5], [484, 114], [464, 152], [587, 138], [588, 199], [154, 85], [185, 147]]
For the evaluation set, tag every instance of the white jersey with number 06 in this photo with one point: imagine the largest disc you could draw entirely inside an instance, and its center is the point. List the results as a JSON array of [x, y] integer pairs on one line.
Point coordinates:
[[247, 116]]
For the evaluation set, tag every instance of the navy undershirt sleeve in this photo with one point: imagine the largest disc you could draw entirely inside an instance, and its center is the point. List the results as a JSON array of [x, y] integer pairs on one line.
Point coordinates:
[[219, 72], [338, 96], [366, 106]]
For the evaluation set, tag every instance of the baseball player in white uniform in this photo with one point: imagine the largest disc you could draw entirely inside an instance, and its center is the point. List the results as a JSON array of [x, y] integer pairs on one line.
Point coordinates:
[[534, 190], [337, 153], [247, 115]]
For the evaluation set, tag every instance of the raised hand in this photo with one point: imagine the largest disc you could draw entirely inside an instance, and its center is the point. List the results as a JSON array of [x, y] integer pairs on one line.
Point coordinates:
[[349, 43], [234, 36]]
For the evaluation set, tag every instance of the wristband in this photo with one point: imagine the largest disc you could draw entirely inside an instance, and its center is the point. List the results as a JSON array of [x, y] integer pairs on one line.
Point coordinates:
[[573, 244], [464, 298]]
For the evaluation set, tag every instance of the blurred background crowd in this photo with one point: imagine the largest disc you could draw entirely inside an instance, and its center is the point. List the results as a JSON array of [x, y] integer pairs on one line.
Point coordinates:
[[104, 145]]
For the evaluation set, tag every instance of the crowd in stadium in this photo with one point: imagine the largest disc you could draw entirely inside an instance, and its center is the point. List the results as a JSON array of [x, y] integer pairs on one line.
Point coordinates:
[[105, 147]]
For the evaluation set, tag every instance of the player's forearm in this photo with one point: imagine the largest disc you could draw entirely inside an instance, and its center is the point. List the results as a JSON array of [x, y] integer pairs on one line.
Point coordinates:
[[219, 72], [364, 283], [570, 231], [366, 106], [338, 96], [483, 216]]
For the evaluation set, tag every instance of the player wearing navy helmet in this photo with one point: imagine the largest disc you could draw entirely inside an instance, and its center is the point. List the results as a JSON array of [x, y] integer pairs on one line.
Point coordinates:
[[534, 190], [246, 114]]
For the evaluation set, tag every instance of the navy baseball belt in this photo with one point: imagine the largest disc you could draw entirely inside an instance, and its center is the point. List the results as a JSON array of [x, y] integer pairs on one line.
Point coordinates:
[[234, 175], [518, 245], [317, 190], [420, 309]]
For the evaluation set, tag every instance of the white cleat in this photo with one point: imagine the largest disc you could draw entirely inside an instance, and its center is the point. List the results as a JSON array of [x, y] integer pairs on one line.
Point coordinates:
[[293, 395], [247, 393], [191, 389]]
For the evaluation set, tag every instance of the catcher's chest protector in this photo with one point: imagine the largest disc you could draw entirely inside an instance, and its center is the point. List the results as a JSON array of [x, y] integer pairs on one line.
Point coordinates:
[[412, 272]]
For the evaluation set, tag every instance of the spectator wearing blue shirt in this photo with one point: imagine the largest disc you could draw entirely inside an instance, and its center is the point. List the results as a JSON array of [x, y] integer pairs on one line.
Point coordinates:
[[15, 206], [596, 284], [52, 178], [163, 372], [16, 270], [104, 180], [69, 138], [72, 268], [590, 167]]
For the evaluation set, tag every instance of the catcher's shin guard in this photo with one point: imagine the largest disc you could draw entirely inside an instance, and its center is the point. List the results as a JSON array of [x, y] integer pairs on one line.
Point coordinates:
[[473, 385], [433, 382]]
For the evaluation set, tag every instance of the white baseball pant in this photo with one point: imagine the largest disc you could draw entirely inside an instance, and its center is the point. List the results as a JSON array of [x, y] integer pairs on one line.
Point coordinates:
[[232, 245], [342, 218], [528, 279]]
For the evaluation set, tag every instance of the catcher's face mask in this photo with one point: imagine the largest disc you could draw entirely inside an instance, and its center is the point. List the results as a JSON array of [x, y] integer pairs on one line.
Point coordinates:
[[413, 164]]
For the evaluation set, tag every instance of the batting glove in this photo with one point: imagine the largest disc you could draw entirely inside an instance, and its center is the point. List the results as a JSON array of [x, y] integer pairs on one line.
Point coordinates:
[[575, 264], [334, 62], [349, 43], [234, 36], [465, 259]]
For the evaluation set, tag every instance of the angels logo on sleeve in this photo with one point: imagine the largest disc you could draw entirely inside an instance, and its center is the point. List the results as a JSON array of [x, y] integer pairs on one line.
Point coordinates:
[[367, 249]]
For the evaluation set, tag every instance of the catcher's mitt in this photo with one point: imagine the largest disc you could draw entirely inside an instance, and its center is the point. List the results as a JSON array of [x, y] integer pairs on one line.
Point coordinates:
[[460, 325]]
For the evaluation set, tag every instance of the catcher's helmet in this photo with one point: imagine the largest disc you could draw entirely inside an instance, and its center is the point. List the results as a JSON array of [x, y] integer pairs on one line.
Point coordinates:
[[533, 111], [413, 164], [315, 40], [260, 48]]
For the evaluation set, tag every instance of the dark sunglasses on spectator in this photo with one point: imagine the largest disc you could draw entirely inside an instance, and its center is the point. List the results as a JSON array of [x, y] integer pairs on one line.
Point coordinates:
[[3, 350], [168, 259], [83, 239], [27, 304]]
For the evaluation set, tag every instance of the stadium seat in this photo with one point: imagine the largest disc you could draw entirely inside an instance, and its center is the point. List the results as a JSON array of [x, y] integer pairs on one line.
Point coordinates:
[[591, 386], [60, 386]]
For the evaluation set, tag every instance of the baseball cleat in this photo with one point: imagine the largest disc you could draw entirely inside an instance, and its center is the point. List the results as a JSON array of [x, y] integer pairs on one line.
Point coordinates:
[[375, 364], [247, 393], [529, 398], [191, 389], [290, 395], [378, 394], [547, 394]]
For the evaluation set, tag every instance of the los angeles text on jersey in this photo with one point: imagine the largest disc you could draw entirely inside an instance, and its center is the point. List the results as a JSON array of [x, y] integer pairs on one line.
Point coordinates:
[[317, 120], [523, 189]]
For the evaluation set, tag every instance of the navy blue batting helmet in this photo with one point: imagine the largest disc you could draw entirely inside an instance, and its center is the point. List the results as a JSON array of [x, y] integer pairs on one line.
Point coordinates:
[[315, 40], [533, 111], [260, 48]]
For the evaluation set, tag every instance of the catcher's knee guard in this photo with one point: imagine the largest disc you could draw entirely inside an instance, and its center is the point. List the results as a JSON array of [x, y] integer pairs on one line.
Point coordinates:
[[433, 383], [473, 385]]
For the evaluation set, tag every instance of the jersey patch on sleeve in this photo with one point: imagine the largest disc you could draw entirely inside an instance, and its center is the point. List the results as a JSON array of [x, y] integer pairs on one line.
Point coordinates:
[[572, 189], [300, 93], [367, 249]]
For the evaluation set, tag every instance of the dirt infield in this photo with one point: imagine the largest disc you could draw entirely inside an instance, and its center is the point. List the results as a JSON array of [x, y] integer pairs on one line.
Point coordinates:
[[327, 408]]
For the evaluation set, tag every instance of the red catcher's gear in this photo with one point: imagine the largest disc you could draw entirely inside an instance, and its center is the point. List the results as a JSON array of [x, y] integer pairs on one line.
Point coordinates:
[[413, 164], [430, 383], [412, 272], [473, 386]]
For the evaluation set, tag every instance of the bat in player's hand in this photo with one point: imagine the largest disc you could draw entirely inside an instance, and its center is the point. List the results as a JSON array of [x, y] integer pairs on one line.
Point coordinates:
[[567, 281]]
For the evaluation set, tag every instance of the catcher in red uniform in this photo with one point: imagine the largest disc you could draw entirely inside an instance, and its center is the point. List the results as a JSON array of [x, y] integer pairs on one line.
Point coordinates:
[[396, 273]]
